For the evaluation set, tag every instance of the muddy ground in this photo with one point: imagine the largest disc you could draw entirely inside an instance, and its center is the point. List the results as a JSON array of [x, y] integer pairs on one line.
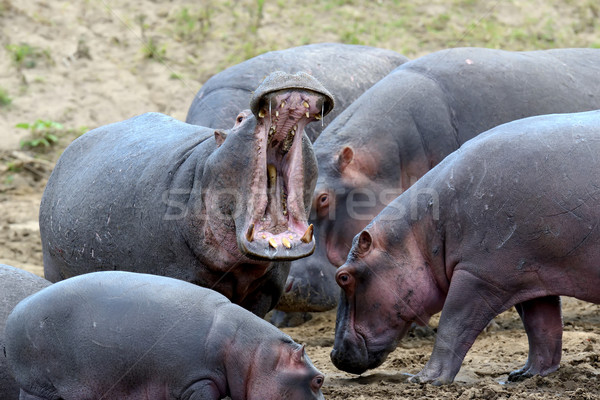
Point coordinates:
[[91, 64]]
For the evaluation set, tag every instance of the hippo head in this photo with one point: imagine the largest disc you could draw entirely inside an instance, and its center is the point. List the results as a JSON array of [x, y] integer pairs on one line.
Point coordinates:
[[263, 173], [354, 185], [285, 372], [386, 286]]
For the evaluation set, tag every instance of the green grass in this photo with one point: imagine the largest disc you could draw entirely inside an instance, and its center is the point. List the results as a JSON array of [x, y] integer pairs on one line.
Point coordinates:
[[152, 50], [27, 56], [5, 99]]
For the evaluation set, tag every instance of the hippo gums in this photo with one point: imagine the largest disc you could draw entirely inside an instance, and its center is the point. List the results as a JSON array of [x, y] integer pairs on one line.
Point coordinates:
[[221, 209], [345, 70], [124, 335], [15, 285], [425, 109], [511, 218]]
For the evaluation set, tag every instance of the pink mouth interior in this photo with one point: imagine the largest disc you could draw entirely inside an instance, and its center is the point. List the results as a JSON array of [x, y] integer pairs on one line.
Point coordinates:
[[279, 217]]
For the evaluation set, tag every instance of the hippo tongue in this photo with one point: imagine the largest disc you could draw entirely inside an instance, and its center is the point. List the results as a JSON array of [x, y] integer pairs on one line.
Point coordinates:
[[278, 227]]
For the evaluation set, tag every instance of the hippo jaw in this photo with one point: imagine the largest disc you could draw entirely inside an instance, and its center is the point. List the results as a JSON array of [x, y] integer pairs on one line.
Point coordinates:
[[356, 351], [277, 227]]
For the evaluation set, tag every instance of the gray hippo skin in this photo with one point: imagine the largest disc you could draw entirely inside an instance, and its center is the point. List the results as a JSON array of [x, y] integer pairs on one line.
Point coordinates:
[[15, 285], [123, 335], [345, 70], [424, 110], [511, 218], [152, 194]]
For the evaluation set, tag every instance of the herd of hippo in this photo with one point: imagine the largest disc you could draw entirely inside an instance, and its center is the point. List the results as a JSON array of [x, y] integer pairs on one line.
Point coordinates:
[[464, 182]]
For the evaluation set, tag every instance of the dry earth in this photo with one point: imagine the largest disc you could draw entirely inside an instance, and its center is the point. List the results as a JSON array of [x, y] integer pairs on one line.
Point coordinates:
[[91, 68]]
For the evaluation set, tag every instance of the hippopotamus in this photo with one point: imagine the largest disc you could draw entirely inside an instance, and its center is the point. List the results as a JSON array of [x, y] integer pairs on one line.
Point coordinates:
[[125, 335], [345, 70], [424, 110], [221, 209], [508, 219], [15, 285]]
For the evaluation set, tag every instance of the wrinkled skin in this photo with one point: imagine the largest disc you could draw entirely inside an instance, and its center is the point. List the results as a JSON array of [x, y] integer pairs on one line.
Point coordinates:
[[424, 110], [169, 340], [510, 219], [345, 70], [215, 208], [15, 285]]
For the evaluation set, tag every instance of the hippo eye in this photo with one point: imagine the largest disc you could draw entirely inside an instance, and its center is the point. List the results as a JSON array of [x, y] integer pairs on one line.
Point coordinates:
[[240, 118], [317, 382], [343, 278], [322, 204]]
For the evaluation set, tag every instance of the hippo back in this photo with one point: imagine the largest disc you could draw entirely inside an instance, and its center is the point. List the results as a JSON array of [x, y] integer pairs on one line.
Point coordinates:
[[152, 154], [346, 70], [15, 285]]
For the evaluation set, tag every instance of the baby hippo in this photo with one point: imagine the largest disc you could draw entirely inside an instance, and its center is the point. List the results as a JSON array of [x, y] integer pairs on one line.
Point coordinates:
[[123, 335], [510, 219]]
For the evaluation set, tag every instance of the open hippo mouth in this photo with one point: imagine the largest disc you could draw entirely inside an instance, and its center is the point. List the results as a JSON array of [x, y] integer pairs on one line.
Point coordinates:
[[277, 227]]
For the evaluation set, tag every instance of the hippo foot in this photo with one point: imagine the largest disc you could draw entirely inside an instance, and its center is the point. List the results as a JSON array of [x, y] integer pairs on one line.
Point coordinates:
[[283, 319], [423, 377], [529, 372]]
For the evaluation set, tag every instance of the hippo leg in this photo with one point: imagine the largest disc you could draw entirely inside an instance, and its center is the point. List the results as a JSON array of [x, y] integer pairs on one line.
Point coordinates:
[[543, 323], [470, 305]]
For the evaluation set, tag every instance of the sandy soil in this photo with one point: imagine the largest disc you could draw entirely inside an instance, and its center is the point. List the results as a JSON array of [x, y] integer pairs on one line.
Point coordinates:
[[94, 72]]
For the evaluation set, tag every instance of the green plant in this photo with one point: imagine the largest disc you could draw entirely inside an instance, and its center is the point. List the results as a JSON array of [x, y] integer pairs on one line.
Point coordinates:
[[42, 133], [26, 56], [151, 50], [5, 99]]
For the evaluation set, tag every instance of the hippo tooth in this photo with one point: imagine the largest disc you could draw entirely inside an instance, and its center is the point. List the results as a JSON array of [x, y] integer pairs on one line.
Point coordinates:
[[291, 237], [272, 173], [272, 131], [264, 236], [307, 115], [273, 243], [308, 235], [318, 117], [282, 104], [286, 243], [305, 104], [261, 114], [250, 233]]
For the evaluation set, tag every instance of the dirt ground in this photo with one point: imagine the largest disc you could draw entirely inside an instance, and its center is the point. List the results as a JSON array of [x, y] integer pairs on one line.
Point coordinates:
[[92, 69]]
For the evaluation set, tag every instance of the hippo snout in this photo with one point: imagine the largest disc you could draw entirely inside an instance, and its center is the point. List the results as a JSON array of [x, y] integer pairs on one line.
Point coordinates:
[[350, 358]]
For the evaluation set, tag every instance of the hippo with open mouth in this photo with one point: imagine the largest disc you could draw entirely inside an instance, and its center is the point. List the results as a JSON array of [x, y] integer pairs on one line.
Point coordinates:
[[221, 209]]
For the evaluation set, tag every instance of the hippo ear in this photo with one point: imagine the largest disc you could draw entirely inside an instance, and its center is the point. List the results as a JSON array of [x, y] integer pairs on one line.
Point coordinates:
[[346, 156], [298, 356], [364, 242], [220, 137]]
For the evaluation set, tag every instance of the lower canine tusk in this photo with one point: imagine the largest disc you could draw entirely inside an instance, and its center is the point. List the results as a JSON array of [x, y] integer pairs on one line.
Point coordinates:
[[308, 235], [250, 233]]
